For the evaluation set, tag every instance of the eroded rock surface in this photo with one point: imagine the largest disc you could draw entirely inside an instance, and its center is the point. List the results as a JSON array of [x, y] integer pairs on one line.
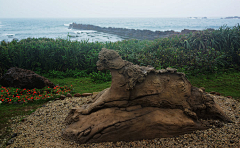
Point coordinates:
[[23, 78], [142, 103]]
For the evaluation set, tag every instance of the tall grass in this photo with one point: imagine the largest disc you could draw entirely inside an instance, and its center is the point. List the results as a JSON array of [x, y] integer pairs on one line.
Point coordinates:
[[200, 52]]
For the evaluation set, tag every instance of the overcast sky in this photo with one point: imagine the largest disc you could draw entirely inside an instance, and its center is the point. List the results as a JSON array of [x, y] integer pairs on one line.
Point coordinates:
[[117, 8]]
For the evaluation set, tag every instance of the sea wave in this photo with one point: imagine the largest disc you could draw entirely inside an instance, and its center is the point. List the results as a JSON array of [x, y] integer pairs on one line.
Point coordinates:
[[84, 31], [54, 28], [67, 24], [9, 35]]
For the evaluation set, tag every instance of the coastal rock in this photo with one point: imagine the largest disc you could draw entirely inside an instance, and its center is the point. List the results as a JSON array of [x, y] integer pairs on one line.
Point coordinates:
[[142, 103], [130, 33], [23, 78], [186, 31], [232, 17]]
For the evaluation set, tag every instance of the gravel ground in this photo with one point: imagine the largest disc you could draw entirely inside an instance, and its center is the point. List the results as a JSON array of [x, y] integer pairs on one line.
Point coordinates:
[[43, 129]]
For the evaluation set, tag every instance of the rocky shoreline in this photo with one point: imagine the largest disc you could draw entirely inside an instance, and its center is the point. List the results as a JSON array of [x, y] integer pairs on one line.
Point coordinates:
[[43, 128], [130, 33]]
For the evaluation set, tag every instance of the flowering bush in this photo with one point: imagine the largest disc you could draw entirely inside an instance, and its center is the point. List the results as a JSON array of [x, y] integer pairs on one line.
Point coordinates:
[[11, 95]]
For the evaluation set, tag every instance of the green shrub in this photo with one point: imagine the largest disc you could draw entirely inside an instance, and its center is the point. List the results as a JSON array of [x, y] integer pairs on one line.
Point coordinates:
[[68, 73], [100, 77]]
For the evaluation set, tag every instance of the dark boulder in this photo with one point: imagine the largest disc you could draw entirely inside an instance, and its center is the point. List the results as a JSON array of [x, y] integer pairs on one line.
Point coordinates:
[[23, 78]]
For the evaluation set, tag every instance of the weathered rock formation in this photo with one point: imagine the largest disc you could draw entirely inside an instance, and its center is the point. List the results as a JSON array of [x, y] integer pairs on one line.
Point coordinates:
[[142, 103], [130, 33], [22, 78]]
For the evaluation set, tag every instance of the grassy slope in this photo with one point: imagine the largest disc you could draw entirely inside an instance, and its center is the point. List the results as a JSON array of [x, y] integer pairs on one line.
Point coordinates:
[[228, 84], [81, 85]]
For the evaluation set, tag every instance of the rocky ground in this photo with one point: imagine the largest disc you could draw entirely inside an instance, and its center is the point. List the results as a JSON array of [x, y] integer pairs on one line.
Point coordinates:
[[43, 129]]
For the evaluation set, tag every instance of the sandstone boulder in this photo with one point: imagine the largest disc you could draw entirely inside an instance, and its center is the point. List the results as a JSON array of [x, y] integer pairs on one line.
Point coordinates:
[[142, 103], [22, 78]]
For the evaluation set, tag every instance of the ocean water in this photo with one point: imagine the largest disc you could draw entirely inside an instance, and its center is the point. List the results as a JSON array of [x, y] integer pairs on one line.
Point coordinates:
[[58, 27]]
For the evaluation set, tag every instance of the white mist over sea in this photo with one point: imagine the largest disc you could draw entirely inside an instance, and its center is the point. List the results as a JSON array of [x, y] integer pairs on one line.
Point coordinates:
[[58, 27]]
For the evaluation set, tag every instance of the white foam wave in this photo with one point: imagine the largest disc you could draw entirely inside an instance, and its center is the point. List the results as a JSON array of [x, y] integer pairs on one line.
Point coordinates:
[[67, 24], [84, 31], [10, 35]]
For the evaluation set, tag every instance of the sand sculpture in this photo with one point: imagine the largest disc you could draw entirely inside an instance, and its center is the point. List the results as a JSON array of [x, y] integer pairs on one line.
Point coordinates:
[[142, 103]]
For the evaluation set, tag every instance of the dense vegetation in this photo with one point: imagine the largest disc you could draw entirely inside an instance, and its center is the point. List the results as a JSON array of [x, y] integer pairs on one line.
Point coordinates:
[[200, 52]]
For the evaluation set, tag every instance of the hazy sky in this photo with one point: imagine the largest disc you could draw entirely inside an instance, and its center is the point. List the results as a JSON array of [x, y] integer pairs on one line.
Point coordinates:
[[118, 8]]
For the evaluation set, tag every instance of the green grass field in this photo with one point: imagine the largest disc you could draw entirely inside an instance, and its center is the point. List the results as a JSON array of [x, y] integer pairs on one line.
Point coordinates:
[[81, 85], [227, 84]]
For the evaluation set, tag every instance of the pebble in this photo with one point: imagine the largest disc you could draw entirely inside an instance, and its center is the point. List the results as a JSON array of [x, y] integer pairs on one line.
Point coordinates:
[[43, 128]]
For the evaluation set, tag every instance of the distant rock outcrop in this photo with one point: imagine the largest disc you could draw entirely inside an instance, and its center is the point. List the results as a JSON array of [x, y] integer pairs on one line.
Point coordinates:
[[142, 103], [232, 17], [23, 78], [130, 33]]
